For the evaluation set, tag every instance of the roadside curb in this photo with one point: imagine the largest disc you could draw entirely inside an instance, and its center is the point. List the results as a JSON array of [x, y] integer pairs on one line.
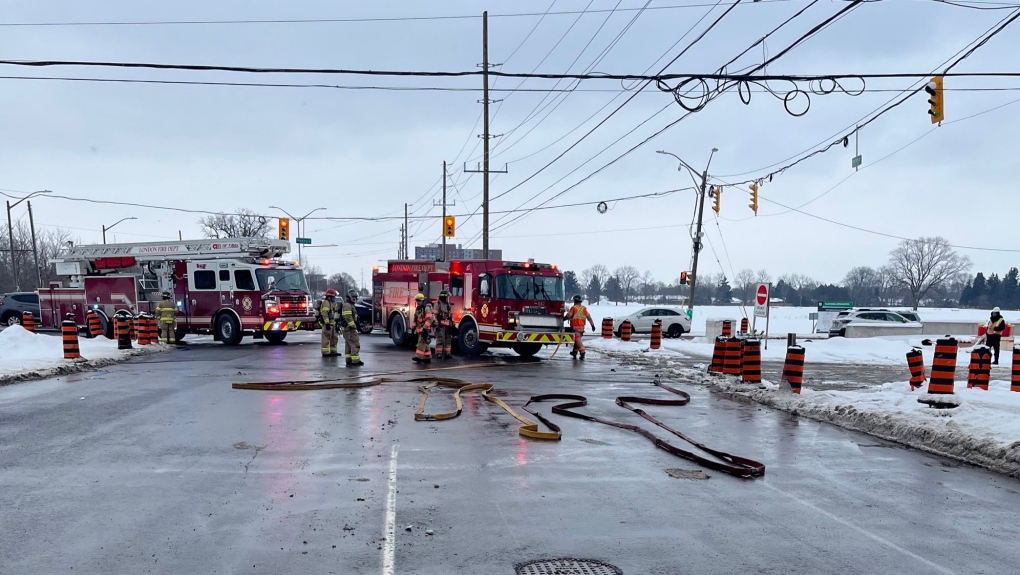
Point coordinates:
[[71, 366], [951, 443]]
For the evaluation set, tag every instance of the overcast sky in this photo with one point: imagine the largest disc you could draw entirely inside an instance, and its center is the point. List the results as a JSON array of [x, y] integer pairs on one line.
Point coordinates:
[[367, 152]]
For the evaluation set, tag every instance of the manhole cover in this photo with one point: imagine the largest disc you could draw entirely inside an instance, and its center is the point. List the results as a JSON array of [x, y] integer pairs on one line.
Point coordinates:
[[687, 474], [567, 567]]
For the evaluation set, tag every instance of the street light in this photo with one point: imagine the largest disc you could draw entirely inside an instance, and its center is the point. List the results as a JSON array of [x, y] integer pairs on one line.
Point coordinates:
[[110, 227], [693, 277], [10, 237], [300, 222]]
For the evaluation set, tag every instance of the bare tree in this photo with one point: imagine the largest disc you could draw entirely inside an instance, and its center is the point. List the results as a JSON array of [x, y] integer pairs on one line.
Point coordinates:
[[316, 281], [342, 282], [627, 276], [744, 284], [763, 276], [925, 263], [861, 283], [648, 285], [243, 224], [599, 272]]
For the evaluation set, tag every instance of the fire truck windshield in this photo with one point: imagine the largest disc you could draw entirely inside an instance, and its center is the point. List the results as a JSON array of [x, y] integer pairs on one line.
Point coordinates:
[[281, 279], [529, 287]]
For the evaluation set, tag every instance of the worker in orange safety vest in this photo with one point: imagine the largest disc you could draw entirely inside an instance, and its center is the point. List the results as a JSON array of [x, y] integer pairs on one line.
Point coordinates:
[[578, 315]]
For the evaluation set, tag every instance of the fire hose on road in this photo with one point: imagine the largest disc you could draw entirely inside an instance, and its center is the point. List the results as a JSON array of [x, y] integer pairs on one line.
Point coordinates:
[[714, 458]]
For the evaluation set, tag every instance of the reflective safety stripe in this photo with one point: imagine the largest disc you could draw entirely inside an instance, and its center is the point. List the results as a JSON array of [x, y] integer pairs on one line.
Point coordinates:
[[281, 326], [520, 336]]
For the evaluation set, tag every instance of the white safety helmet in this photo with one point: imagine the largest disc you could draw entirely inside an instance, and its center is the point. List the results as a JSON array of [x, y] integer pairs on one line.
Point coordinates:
[[995, 310]]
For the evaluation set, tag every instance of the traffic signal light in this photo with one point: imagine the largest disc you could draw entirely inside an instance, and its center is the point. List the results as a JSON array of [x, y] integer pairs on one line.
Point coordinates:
[[717, 194], [284, 228], [683, 278], [449, 226], [754, 198], [934, 89]]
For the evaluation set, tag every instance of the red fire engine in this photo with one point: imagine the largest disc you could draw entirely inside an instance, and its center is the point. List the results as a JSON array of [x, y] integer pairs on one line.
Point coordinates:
[[495, 303], [226, 287]]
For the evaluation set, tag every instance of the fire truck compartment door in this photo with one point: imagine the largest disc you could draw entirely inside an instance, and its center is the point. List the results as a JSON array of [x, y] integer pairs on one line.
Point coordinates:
[[468, 287], [434, 289]]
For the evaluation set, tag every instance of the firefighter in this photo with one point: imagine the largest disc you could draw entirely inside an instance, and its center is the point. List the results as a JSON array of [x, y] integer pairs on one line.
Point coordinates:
[[422, 325], [166, 311], [444, 319], [578, 314], [327, 319], [349, 325]]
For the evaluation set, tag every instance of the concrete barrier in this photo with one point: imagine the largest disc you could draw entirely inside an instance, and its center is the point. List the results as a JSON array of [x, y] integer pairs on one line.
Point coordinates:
[[857, 331], [950, 328], [713, 328]]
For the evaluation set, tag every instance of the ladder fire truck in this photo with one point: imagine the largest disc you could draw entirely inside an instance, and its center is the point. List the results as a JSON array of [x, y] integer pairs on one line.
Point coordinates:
[[224, 287], [495, 303]]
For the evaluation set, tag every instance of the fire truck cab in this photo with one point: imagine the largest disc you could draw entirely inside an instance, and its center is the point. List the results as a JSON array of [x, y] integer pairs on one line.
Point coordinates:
[[224, 287], [495, 303]]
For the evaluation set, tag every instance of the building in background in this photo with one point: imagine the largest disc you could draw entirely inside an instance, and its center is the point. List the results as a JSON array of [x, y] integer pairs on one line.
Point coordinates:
[[434, 252]]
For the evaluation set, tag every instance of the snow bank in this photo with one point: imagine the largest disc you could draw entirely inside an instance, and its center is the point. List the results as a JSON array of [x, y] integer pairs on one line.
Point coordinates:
[[790, 319], [984, 430], [26, 355], [871, 351]]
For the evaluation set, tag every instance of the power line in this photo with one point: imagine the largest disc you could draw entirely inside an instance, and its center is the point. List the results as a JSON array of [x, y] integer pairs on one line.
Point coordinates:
[[973, 4]]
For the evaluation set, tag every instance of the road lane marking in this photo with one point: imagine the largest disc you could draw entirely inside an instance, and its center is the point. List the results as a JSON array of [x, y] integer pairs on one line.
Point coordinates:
[[865, 532], [390, 531]]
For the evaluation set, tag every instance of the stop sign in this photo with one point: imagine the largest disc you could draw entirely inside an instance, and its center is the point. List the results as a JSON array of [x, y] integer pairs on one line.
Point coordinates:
[[763, 295]]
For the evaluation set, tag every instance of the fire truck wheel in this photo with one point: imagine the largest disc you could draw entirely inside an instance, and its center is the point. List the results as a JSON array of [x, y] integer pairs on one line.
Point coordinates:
[[179, 334], [468, 340], [398, 331], [228, 330], [527, 349], [106, 325], [275, 336]]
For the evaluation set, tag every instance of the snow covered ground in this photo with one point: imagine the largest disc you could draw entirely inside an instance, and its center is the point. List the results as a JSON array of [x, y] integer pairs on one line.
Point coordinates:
[[984, 430], [23, 353], [789, 319]]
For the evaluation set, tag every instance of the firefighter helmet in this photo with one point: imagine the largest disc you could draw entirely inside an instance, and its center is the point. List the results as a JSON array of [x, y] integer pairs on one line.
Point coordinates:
[[165, 295], [331, 292], [352, 294], [577, 299], [419, 297], [443, 295]]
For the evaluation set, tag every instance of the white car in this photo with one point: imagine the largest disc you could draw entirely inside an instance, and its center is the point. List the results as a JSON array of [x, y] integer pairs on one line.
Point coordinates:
[[674, 321], [881, 317]]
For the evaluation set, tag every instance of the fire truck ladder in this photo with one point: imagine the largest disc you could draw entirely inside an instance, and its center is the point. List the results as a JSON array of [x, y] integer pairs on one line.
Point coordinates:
[[183, 250]]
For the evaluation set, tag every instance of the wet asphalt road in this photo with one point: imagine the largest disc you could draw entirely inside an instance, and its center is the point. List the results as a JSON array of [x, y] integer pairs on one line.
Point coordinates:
[[158, 466]]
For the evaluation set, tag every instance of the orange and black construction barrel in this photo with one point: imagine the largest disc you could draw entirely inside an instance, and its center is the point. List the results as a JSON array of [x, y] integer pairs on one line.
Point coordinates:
[[28, 321], [153, 327], [123, 331], [607, 328], [743, 325], [983, 369], [69, 331], [943, 376], [142, 329], [727, 328], [973, 367], [731, 361], [1014, 382], [656, 334], [793, 369], [136, 323], [750, 363], [625, 329], [95, 326], [718, 355], [915, 362]]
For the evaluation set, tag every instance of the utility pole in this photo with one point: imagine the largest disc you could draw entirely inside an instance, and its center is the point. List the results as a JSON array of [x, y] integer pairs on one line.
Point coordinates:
[[406, 252], [400, 244], [35, 248], [444, 210], [697, 233], [486, 136], [10, 236]]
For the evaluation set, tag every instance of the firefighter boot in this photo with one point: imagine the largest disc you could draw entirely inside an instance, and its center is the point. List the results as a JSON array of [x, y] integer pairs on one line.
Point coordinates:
[[416, 359], [357, 363], [582, 356], [573, 354]]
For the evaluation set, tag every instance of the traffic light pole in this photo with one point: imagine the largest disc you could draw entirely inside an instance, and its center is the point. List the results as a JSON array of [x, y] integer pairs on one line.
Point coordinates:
[[444, 210], [697, 235]]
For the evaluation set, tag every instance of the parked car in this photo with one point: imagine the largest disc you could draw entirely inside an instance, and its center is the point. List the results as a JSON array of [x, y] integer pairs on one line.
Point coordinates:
[[882, 317], [364, 308], [674, 321], [12, 305]]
